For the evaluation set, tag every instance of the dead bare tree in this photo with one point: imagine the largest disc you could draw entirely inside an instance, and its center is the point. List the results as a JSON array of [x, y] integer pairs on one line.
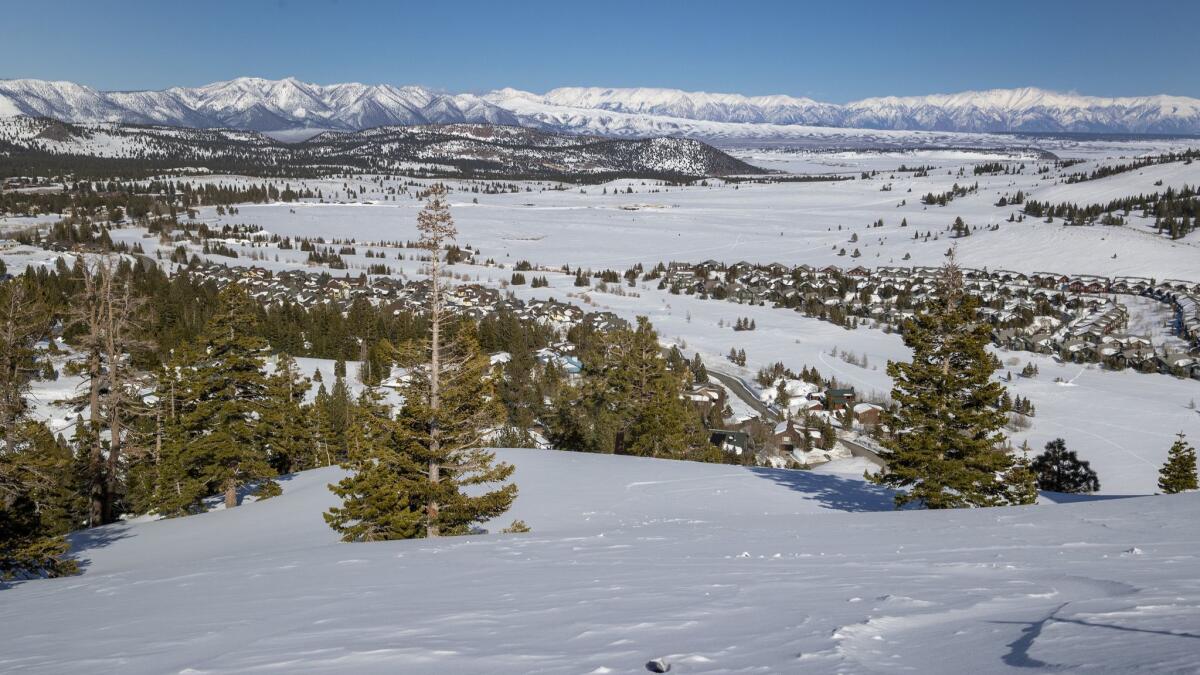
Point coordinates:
[[436, 226], [108, 311]]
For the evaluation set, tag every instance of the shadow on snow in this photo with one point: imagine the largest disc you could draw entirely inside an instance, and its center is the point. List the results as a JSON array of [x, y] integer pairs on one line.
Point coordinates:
[[832, 491]]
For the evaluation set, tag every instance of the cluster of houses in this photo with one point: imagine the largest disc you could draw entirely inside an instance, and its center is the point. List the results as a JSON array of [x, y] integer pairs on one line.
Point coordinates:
[[814, 428], [1074, 317], [470, 300]]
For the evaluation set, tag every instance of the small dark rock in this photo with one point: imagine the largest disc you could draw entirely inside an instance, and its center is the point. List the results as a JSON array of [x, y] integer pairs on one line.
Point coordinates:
[[658, 666]]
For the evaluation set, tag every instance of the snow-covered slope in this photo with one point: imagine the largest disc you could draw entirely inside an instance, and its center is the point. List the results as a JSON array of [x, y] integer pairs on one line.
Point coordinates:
[[715, 568], [270, 105], [478, 149]]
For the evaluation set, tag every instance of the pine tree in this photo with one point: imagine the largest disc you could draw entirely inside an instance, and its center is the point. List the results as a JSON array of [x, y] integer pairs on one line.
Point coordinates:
[[327, 440], [782, 395], [699, 371], [1060, 470], [1179, 472], [635, 384], [220, 442], [1022, 480], [105, 313], [946, 440], [520, 393], [960, 228], [421, 475], [37, 506], [289, 432], [375, 503]]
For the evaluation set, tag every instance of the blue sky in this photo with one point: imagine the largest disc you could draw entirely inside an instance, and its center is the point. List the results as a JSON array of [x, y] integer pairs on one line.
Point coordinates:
[[835, 50]]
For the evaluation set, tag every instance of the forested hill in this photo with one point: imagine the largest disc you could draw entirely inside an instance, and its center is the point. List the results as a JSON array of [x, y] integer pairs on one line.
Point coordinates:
[[40, 146]]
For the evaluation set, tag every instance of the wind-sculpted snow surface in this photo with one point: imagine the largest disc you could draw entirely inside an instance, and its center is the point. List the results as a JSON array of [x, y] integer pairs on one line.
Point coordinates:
[[713, 568]]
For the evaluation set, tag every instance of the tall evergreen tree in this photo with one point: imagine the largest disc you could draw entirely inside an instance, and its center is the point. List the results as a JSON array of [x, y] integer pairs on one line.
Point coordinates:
[[221, 442], [629, 401], [945, 439], [423, 475], [104, 316], [1178, 474], [36, 501], [289, 431]]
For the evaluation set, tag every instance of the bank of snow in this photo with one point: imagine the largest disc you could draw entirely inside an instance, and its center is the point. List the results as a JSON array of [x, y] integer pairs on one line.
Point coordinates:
[[716, 568]]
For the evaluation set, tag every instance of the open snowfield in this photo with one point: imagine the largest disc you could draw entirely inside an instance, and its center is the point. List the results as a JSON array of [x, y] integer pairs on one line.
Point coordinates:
[[716, 568], [790, 223]]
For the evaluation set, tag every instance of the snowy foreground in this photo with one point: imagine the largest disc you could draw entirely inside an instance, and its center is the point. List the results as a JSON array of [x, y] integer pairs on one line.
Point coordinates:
[[716, 568]]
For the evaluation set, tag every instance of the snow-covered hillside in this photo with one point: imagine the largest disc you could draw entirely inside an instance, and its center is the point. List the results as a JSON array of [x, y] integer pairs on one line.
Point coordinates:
[[269, 105], [714, 568], [478, 149]]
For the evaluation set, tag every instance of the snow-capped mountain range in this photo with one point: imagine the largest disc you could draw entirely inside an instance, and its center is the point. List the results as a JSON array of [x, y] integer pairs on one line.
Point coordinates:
[[276, 105], [250, 104]]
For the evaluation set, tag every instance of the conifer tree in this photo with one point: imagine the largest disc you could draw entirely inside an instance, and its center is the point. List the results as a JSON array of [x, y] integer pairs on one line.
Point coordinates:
[[105, 313], [221, 443], [699, 371], [520, 394], [375, 503], [946, 440], [1060, 470], [1178, 474], [782, 395], [289, 433], [325, 439], [630, 400], [37, 505], [1022, 480], [412, 479]]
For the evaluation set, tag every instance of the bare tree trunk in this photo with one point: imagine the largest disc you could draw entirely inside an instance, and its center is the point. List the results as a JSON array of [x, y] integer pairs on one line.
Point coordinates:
[[436, 227], [231, 499], [96, 467], [431, 510], [113, 326]]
